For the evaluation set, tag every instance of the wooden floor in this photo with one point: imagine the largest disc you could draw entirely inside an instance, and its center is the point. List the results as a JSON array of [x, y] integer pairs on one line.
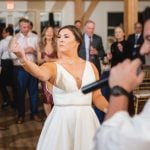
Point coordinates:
[[19, 136]]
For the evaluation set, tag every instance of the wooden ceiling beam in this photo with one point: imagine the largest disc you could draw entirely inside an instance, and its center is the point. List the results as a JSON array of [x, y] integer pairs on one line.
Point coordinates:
[[89, 10], [130, 15], [78, 9], [58, 6]]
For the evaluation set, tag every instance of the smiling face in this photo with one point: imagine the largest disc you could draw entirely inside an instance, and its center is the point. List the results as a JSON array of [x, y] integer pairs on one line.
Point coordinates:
[[24, 27], [49, 33], [119, 34], [66, 40]]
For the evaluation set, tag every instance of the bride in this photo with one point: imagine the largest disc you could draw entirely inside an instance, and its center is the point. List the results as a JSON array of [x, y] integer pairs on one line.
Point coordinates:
[[72, 123]]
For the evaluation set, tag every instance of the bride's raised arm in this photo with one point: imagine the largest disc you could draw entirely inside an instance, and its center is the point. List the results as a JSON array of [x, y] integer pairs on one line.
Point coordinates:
[[44, 72]]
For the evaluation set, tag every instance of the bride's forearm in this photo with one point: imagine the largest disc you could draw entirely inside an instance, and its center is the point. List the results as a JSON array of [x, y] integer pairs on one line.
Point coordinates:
[[35, 70], [101, 103]]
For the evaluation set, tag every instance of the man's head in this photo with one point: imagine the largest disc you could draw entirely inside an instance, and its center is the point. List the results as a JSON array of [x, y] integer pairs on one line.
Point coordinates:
[[78, 24], [89, 27], [138, 28], [24, 25], [6, 32], [145, 49]]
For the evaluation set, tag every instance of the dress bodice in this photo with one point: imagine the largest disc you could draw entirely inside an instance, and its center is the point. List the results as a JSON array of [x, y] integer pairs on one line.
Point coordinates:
[[66, 91]]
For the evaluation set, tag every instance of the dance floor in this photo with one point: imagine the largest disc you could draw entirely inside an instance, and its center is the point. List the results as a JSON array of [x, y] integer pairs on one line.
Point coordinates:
[[19, 136]]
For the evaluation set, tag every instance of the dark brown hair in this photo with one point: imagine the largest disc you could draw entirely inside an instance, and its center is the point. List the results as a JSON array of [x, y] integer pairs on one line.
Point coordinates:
[[43, 38], [76, 32]]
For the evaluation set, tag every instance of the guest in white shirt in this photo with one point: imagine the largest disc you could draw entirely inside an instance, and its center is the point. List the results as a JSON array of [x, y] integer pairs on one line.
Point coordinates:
[[23, 80], [120, 131]]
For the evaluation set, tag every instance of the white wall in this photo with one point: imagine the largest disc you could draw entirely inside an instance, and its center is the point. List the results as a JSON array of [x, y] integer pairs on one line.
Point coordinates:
[[68, 13], [99, 15]]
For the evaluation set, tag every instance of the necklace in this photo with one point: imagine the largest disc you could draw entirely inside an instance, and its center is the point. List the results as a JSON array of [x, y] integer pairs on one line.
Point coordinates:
[[69, 62]]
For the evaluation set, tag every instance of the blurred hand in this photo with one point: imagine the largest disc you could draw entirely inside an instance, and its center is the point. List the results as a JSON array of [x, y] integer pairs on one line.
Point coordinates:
[[120, 47], [125, 75], [29, 50], [109, 55], [93, 51]]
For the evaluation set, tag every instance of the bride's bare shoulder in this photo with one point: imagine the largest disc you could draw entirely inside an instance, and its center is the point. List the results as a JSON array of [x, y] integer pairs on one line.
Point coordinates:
[[49, 65]]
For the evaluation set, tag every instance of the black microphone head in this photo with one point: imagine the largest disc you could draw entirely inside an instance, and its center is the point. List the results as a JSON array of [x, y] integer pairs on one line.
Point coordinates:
[[94, 86]]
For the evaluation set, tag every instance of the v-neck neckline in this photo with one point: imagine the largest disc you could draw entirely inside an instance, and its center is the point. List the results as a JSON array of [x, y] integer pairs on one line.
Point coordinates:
[[74, 77]]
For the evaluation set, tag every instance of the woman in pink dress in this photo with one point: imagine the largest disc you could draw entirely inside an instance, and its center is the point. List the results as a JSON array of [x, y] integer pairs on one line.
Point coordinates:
[[46, 53]]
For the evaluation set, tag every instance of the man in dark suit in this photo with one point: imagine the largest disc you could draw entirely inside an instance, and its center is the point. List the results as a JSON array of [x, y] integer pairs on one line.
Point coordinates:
[[136, 40], [92, 47]]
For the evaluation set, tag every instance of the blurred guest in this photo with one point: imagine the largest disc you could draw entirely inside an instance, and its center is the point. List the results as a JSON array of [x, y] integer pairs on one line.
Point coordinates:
[[92, 47], [121, 48], [136, 40], [47, 53], [78, 24], [120, 131], [22, 79]]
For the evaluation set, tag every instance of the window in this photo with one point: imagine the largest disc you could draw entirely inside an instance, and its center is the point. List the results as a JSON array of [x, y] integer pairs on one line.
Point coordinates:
[[114, 19], [50, 18]]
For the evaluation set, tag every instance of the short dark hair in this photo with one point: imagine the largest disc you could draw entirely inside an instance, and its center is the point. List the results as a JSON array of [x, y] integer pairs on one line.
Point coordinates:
[[76, 21], [8, 30], [76, 32], [24, 20], [137, 23]]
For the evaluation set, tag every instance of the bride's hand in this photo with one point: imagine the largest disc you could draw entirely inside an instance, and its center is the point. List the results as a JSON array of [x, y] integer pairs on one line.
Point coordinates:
[[16, 49]]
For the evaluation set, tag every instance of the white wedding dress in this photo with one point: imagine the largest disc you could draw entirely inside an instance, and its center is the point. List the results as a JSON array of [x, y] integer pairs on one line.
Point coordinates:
[[72, 122]]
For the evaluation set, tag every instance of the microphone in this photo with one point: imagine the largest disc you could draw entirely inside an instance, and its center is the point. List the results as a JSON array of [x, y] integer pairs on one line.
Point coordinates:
[[100, 83], [94, 86]]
